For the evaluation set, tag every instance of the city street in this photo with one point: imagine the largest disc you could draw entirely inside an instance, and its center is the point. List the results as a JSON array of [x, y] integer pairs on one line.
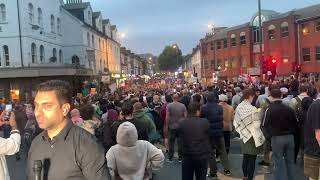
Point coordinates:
[[173, 171]]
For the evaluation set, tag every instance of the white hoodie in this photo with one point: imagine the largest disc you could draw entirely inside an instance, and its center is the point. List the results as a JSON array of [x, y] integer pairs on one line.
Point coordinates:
[[133, 159]]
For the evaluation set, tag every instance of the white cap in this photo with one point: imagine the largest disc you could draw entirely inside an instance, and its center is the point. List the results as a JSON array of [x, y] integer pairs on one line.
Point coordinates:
[[223, 98], [284, 90]]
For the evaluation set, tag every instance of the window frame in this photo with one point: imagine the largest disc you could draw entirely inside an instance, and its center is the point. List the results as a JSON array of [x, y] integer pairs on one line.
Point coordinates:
[[233, 40], [52, 24], [6, 55], [243, 40], [305, 26], [54, 52], [225, 43], [243, 62], [3, 13], [93, 41], [271, 32], [60, 56], [234, 63], [41, 53], [59, 26], [88, 39], [317, 26], [31, 13], [284, 28], [304, 55], [218, 43], [40, 17], [33, 53], [317, 54]]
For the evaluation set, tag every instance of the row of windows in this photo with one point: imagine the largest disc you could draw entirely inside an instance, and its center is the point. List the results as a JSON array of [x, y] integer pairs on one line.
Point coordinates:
[[40, 19], [306, 54], [233, 42], [91, 43], [306, 28], [225, 63], [5, 58], [53, 59]]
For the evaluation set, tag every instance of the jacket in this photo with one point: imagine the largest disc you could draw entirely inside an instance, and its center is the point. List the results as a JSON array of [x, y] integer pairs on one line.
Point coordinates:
[[89, 125], [228, 115], [142, 116], [133, 159], [8, 146], [195, 144], [214, 113], [280, 119]]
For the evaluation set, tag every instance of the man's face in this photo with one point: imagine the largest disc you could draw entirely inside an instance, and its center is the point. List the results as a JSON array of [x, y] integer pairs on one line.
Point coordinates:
[[48, 110]]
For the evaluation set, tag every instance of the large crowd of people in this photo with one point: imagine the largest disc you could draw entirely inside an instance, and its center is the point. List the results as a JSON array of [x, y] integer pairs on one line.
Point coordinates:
[[117, 134]]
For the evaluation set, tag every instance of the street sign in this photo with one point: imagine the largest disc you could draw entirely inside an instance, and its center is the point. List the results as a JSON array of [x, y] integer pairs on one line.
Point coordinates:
[[269, 73], [215, 77], [255, 71]]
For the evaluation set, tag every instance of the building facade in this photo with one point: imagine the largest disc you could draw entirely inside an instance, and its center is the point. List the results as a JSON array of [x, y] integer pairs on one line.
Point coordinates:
[[291, 38], [196, 59], [49, 39]]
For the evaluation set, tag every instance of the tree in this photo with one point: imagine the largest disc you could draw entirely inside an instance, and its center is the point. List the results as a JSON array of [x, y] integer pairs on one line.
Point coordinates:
[[170, 59]]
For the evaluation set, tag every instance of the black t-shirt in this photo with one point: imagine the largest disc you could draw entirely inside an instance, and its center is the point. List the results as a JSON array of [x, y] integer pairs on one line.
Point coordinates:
[[312, 123]]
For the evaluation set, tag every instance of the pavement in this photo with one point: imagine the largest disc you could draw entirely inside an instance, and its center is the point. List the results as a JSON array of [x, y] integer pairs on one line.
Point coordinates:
[[172, 171]]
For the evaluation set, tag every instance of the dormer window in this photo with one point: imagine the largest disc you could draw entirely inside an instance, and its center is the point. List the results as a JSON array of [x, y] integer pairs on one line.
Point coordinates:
[[89, 17]]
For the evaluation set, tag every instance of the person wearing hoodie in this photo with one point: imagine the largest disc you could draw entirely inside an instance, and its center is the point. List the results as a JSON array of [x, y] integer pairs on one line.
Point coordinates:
[[90, 123], [133, 159], [140, 115]]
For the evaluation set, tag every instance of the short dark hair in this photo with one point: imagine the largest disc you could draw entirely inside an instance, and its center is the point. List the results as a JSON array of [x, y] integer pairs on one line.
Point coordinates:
[[61, 88], [168, 98], [212, 97], [276, 93], [196, 98], [127, 108], [303, 88], [87, 112], [247, 93], [193, 108]]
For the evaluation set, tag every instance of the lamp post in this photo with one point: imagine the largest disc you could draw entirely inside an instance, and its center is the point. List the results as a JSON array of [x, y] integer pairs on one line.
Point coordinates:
[[260, 34], [176, 48]]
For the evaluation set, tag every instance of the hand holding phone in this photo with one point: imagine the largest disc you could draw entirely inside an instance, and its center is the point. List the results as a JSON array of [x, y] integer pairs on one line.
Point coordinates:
[[8, 112]]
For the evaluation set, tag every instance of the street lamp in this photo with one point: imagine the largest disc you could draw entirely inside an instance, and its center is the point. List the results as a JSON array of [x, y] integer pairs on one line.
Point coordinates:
[[176, 48]]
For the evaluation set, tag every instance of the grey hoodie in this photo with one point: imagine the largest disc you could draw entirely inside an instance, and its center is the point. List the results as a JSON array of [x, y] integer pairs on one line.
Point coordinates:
[[133, 159]]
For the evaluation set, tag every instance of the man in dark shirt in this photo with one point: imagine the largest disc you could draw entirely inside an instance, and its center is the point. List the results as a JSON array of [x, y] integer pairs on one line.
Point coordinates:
[[66, 151], [194, 134], [312, 145], [214, 113], [281, 124]]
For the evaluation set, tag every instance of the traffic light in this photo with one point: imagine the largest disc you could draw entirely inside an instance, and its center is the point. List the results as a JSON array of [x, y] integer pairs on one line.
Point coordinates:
[[273, 60], [273, 66]]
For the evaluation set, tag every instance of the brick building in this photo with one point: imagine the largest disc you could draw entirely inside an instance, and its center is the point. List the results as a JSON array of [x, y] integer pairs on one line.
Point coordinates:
[[293, 38]]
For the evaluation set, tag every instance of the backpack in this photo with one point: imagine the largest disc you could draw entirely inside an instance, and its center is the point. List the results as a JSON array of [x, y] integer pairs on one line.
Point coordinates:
[[106, 133], [298, 109]]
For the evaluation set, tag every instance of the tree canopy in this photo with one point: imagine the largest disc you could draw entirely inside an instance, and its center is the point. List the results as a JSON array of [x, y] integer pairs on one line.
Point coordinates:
[[170, 59]]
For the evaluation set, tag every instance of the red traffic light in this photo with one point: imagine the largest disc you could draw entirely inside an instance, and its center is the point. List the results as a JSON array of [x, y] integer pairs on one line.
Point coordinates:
[[274, 60]]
